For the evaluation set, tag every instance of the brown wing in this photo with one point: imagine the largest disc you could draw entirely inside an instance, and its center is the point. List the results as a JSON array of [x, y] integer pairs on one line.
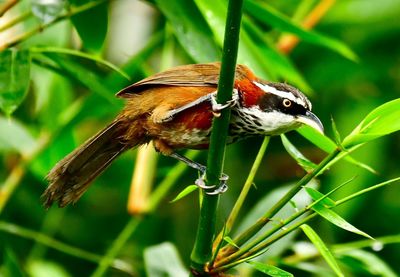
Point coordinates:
[[191, 75]]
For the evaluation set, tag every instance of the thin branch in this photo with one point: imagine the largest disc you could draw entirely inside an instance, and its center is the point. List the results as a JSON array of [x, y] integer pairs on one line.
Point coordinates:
[[60, 246], [14, 21], [7, 6], [73, 11]]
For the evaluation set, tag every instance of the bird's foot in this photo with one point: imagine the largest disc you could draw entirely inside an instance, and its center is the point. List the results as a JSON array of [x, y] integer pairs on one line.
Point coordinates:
[[217, 107], [200, 182]]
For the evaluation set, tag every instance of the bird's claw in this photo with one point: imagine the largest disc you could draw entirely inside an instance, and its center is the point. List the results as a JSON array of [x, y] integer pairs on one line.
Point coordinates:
[[200, 182], [217, 107]]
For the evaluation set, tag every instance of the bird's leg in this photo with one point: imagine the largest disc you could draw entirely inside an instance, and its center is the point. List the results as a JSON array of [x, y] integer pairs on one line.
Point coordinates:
[[200, 182]]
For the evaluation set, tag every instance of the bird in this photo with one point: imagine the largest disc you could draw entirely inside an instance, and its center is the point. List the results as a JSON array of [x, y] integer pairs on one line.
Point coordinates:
[[174, 110]]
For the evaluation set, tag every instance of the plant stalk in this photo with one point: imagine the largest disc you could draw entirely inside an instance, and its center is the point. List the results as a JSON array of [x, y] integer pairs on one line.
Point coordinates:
[[245, 190], [202, 250], [7, 6], [261, 222], [13, 21], [21, 37]]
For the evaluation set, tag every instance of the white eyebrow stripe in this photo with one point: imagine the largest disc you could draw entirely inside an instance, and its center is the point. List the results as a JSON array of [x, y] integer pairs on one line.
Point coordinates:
[[283, 94]]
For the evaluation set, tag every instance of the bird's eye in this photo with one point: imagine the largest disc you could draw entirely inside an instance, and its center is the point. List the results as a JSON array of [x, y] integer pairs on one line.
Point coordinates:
[[287, 103]]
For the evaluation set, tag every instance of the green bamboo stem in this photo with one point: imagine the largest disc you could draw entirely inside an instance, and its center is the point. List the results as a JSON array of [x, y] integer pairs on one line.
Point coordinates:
[[231, 253], [245, 190], [252, 249], [222, 266], [268, 242], [238, 255], [202, 250], [251, 231]]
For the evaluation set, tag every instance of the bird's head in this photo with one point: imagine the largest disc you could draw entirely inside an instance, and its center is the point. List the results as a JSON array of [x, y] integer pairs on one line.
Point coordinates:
[[280, 108]]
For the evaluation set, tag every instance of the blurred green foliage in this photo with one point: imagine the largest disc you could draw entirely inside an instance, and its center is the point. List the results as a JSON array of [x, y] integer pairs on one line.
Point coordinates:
[[349, 64]]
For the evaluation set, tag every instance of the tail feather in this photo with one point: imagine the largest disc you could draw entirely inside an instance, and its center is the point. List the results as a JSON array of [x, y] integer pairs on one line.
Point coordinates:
[[70, 177]]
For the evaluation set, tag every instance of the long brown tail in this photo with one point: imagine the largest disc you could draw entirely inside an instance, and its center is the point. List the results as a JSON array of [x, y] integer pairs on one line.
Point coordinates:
[[71, 177]]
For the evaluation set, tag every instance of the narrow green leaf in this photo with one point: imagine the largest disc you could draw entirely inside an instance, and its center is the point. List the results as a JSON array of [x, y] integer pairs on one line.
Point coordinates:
[[381, 121], [321, 198], [11, 266], [14, 78], [163, 260], [268, 55], [305, 163], [15, 137], [83, 75], [186, 191], [133, 67], [325, 200], [80, 54], [254, 49], [323, 209], [336, 133], [91, 25], [230, 241], [316, 138], [46, 268], [191, 29], [270, 270], [322, 248], [370, 262], [274, 18], [214, 13], [326, 144]]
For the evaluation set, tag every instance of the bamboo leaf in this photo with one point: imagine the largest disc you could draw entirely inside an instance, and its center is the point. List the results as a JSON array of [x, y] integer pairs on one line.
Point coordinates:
[[15, 137], [190, 29], [326, 144], [11, 266], [186, 191], [91, 25], [14, 78], [323, 209], [268, 55], [370, 263], [323, 199], [336, 133], [254, 49], [305, 163], [80, 54], [83, 75], [215, 15], [46, 268], [322, 248], [274, 18], [163, 260], [133, 67], [381, 121], [270, 270], [230, 241]]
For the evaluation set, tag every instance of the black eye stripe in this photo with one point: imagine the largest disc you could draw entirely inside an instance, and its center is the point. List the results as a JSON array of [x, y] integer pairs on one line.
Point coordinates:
[[275, 103]]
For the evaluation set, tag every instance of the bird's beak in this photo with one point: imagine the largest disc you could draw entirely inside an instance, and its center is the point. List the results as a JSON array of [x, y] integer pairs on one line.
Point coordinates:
[[311, 120]]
